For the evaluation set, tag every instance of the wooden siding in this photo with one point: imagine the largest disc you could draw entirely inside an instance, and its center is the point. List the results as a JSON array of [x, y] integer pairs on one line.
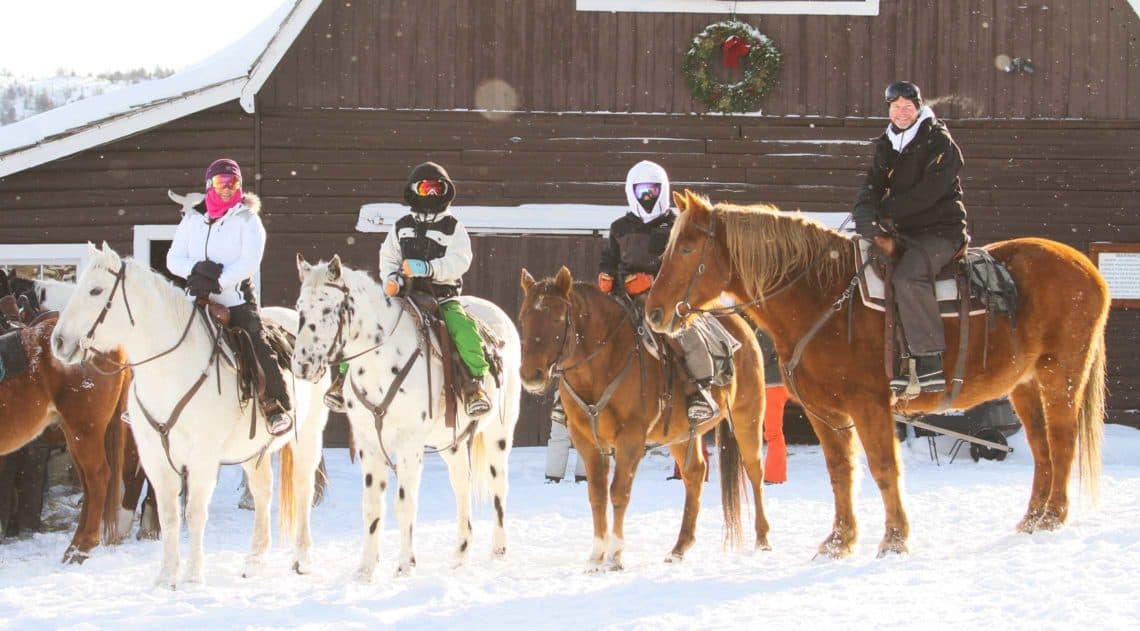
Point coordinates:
[[435, 54]]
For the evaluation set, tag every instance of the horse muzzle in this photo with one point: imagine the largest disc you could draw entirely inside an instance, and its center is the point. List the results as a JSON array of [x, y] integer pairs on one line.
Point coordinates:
[[68, 353]]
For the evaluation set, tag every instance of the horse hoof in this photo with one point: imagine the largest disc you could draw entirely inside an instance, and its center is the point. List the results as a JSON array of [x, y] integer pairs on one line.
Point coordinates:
[[302, 567], [763, 545], [614, 565], [674, 558], [166, 581], [194, 577], [253, 567], [834, 547], [894, 548], [74, 556], [1049, 522], [499, 552], [365, 574]]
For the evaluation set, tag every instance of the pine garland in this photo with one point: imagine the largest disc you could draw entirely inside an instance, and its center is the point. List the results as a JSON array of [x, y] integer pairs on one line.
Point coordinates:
[[760, 67]]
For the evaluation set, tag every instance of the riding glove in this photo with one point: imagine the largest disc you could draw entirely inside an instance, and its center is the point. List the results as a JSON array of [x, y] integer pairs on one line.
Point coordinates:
[[605, 282], [413, 268]]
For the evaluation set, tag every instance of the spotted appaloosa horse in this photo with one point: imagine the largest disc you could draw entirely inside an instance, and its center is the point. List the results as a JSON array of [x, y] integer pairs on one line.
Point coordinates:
[[793, 275], [588, 337]]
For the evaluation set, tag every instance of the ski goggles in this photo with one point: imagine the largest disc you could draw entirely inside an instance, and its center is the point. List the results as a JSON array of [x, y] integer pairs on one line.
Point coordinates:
[[429, 188], [903, 90], [224, 181], [647, 190]]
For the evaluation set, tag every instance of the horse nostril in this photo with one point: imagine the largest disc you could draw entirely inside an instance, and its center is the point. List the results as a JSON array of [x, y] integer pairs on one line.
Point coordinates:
[[656, 315]]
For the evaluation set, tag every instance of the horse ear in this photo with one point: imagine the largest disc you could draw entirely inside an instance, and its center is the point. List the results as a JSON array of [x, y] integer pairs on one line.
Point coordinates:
[[680, 202], [526, 281], [111, 255], [334, 268], [564, 281], [303, 266]]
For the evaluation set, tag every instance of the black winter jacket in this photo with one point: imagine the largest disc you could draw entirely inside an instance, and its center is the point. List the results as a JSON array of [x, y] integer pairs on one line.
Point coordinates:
[[635, 246], [919, 189]]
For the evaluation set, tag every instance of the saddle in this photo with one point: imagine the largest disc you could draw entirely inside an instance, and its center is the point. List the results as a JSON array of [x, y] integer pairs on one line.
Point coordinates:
[[426, 309], [718, 341], [250, 374], [972, 283]]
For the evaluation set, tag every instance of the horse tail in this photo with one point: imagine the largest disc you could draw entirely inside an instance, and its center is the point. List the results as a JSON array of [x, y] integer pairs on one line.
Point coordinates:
[[1090, 419], [731, 481], [321, 483], [114, 443], [286, 515], [480, 468]]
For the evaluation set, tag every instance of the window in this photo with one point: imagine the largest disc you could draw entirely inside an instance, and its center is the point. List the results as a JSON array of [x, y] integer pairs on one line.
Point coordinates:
[[743, 7], [48, 261]]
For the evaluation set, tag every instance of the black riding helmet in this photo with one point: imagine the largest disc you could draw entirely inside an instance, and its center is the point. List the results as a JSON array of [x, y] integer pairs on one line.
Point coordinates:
[[429, 189], [904, 90]]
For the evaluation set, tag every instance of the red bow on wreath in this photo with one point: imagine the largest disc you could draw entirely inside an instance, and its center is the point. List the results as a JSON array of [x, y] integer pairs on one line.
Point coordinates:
[[734, 48]]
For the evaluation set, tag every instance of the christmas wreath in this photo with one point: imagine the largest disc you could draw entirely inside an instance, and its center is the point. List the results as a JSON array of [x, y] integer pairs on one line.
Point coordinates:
[[737, 44]]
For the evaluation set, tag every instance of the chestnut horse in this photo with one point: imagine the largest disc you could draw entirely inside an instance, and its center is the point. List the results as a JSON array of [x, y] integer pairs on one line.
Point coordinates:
[[793, 276], [588, 337], [89, 405]]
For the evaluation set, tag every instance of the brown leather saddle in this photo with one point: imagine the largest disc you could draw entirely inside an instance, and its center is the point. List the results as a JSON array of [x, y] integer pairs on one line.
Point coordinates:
[[973, 283], [250, 374], [455, 372]]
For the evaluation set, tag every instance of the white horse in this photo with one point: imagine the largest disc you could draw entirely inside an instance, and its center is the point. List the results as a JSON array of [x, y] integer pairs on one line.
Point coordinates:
[[124, 303], [345, 314]]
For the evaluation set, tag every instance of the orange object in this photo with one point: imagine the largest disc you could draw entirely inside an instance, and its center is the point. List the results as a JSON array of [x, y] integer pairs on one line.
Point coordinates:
[[392, 287], [776, 462], [605, 282], [638, 283]]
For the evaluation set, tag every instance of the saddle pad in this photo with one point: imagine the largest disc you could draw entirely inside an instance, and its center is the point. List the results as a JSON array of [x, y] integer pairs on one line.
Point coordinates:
[[872, 290], [13, 361]]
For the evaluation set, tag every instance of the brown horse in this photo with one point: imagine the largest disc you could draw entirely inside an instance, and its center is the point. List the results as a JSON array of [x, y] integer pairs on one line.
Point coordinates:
[[89, 404], [793, 275], [588, 337]]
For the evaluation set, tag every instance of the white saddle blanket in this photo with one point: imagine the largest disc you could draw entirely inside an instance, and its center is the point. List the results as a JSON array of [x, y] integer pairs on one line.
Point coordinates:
[[872, 290]]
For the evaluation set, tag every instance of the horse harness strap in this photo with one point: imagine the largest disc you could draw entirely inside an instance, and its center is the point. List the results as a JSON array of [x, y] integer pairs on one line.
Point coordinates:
[[595, 409], [801, 345], [164, 429], [380, 411]]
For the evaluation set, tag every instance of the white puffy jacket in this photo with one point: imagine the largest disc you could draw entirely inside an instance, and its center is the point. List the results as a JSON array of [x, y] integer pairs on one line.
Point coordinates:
[[236, 240]]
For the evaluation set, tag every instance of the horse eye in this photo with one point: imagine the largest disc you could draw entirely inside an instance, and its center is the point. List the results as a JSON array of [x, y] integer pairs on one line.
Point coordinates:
[[686, 249], [96, 291]]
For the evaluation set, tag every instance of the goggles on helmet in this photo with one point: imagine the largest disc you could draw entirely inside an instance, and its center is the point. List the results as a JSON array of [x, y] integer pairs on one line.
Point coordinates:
[[224, 181], [429, 188], [901, 90]]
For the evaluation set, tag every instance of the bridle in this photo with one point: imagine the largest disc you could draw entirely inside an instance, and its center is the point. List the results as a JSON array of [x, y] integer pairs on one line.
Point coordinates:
[[687, 307], [336, 349], [556, 366]]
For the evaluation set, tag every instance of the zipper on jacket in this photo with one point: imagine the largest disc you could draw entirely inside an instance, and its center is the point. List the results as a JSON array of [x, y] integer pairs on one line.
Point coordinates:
[[206, 247]]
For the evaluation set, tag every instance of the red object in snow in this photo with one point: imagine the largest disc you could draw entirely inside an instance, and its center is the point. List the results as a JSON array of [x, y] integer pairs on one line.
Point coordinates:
[[734, 48]]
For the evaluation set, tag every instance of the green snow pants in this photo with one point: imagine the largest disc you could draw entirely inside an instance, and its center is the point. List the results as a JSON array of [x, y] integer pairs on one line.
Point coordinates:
[[466, 336]]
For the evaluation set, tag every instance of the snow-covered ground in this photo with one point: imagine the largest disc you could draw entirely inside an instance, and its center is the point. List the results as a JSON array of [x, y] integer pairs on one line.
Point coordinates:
[[967, 567]]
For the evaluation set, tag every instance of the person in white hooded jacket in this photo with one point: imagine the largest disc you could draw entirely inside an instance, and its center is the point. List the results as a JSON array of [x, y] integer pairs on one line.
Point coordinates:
[[217, 248]]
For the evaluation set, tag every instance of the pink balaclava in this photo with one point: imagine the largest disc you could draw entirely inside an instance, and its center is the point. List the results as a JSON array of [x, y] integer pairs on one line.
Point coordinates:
[[215, 206]]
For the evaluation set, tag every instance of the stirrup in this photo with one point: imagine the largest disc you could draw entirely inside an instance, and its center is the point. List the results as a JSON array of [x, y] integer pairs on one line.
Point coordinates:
[[334, 400], [279, 423], [701, 407], [477, 404]]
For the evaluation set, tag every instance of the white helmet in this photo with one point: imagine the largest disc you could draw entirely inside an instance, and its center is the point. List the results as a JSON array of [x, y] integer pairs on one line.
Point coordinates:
[[647, 191]]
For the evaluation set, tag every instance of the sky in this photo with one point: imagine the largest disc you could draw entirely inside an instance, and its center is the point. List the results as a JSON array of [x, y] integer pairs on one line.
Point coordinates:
[[40, 36]]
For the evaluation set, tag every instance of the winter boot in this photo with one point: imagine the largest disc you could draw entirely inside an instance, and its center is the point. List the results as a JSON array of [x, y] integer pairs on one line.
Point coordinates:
[[475, 399]]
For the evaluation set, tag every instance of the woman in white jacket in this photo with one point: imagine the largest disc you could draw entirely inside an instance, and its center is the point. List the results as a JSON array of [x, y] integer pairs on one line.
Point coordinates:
[[217, 249]]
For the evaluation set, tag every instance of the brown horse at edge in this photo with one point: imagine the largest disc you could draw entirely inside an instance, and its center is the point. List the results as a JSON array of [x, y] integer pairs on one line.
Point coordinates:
[[89, 405], [789, 271], [575, 329]]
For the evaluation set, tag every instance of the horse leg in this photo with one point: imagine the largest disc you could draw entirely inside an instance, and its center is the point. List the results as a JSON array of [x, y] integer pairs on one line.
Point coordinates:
[[838, 455], [459, 472], [1058, 390], [260, 480], [411, 469], [306, 459], [496, 450], [199, 491], [374, 479], [597, 477], [167, 484], [693, 475], [748, 429], [86, 448], [626, 458], [877, 433], [1026, 400]]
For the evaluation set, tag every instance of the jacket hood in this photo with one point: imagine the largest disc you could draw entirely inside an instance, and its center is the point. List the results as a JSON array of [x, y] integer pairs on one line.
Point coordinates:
[[646, 171]]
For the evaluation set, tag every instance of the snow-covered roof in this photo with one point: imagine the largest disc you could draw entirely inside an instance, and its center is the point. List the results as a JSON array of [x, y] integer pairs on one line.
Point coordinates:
[[236, 72]]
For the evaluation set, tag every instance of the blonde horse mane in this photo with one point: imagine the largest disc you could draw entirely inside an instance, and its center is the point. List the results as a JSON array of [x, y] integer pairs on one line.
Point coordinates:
[[770, 248]]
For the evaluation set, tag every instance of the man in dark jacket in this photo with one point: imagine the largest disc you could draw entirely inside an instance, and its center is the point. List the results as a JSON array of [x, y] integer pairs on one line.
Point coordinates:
[[912, 193]]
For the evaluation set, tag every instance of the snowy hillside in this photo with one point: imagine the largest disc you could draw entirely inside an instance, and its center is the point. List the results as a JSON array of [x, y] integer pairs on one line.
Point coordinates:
[[21, 97], [967, 568]]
